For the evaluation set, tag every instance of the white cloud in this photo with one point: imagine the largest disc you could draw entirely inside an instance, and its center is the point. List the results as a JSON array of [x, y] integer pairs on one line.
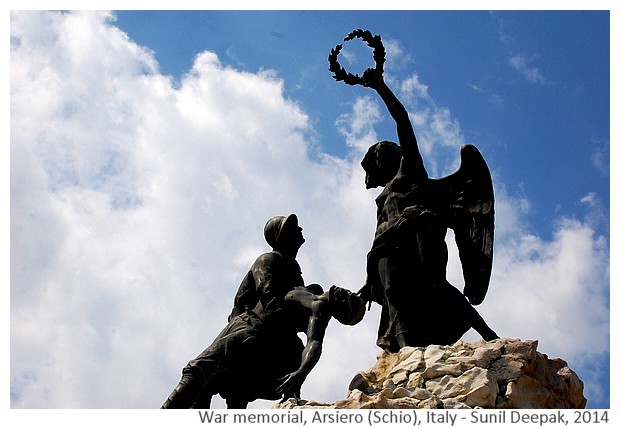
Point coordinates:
[[133, 211], [413, 89], [137, 205], [600, 156], [439, 135], [357, 126], [522, 63], [398, 59]]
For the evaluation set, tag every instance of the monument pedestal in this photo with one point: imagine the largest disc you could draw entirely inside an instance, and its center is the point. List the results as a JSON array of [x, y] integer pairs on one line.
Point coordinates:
[[503, 373]]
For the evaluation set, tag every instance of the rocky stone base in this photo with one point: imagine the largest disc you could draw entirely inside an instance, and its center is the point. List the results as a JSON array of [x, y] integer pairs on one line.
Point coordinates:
[[504, 373]]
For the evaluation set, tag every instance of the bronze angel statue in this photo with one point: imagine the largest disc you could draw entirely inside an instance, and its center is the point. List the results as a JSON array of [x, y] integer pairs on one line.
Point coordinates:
[[406, 266]]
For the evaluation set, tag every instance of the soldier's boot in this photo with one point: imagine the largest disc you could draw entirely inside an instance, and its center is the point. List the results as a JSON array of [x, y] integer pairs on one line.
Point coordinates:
[[185, 394]]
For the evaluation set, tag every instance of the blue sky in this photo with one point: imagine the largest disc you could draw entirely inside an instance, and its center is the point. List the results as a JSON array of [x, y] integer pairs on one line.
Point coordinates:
[[149, 148], [521, 85]]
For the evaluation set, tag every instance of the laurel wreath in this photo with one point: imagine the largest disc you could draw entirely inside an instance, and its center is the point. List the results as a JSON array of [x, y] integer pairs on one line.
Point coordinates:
[[378, 55]]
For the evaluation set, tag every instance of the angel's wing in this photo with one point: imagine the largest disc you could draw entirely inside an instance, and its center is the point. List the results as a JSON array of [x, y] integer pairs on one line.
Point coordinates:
[[472, 213]]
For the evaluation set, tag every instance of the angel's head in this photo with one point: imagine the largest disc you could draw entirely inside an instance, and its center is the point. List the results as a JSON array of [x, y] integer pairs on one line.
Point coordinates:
[[381, 163]]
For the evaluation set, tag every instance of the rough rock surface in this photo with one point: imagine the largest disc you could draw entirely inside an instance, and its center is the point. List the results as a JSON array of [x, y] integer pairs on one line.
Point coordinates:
[[503, 373]]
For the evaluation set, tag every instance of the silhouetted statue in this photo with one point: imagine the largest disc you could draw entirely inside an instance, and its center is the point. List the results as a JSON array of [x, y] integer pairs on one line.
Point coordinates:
[[258, 354], [406, 266]]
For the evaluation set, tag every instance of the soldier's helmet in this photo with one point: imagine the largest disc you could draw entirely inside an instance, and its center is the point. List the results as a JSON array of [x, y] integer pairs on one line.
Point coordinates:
[[275, 226]]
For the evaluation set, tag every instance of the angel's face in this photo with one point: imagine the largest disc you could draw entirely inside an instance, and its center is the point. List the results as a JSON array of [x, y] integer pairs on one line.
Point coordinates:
[[373, 176], [380, 165]]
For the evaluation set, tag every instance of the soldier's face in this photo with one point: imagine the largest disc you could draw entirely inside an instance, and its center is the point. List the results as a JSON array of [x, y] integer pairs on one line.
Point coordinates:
[[292, 236]]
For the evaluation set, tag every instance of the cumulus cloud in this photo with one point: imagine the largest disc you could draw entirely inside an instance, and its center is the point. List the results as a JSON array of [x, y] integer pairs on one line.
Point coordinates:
[[137, 204]]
